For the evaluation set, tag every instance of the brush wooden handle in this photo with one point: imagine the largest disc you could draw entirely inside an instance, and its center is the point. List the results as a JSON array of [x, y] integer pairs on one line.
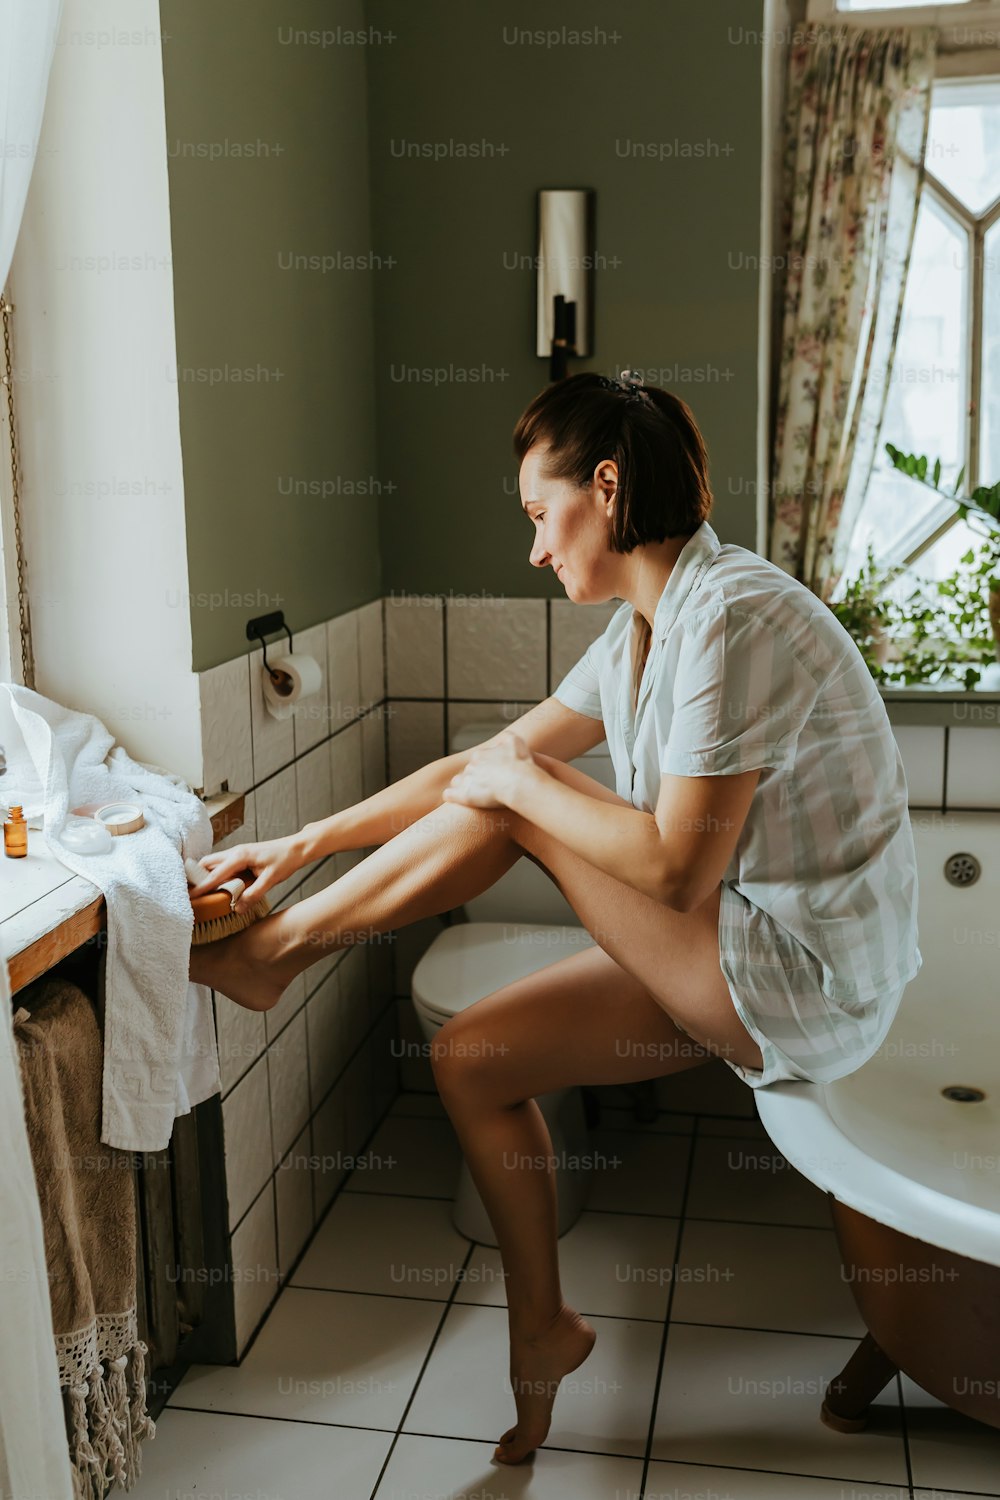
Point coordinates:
[[217, 903]]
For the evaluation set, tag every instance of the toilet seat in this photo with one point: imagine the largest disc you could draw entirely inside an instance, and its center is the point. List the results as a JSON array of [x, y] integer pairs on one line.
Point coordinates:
[[470, 960]]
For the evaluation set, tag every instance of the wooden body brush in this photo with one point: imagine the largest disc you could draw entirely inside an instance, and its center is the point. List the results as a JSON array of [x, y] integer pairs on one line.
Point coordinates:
[[214, 916]]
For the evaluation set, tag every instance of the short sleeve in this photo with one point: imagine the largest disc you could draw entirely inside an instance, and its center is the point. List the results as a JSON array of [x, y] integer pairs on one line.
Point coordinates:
[[580, 689], [740, 696]]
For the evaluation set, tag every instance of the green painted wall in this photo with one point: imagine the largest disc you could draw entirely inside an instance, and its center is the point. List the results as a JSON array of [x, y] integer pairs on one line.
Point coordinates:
[[683, 76], [676, 284], [305, 417]]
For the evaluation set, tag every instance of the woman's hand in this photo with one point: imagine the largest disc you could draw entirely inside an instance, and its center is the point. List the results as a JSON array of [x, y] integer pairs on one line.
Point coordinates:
[[491, 774], [271, 862]]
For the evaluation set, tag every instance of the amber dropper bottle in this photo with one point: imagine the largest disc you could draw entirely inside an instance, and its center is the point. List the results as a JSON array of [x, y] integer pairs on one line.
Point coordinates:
[[15, 834]]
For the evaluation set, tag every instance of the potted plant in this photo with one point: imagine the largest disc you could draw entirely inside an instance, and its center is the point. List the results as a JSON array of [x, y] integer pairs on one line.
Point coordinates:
[[954, 630], [981, 510]]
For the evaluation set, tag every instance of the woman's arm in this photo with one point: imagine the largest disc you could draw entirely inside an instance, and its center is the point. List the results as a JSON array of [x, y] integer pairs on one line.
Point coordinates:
[[549, 728], [381, 816]]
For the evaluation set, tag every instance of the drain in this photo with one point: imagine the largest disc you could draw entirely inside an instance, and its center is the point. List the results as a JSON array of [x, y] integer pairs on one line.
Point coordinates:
[[963, 1095], [962, 869]]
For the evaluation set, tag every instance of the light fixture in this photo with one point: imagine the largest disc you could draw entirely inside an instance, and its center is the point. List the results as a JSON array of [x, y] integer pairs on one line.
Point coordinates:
[[565, 276]]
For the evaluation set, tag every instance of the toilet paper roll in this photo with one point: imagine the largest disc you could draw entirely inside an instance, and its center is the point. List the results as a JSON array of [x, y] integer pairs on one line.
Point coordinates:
[[287, 680]]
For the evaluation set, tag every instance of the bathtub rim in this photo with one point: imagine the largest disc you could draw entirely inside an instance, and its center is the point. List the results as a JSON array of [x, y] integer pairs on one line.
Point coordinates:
[[797, 1120]]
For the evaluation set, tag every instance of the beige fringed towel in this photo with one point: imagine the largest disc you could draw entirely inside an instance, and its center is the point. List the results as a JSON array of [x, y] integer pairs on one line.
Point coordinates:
[[88, 1217]]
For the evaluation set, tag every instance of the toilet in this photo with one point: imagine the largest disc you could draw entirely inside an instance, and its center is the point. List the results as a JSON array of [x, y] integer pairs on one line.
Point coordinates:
[[522, 923]]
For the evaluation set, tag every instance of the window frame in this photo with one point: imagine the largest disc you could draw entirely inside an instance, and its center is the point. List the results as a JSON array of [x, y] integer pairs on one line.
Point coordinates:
[[923, 534], [951, 21]]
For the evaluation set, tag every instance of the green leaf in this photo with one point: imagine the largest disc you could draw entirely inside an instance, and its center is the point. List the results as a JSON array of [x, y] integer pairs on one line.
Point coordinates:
[[937, 472], [958, 481]]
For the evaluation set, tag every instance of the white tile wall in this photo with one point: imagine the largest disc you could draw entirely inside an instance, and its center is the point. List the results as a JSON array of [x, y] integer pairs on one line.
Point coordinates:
[[496, 646], [227, 749], [343, 669], [314, 786], [416, 735], [922, 750], [293, 1192], [327, 1037], [288, 1070], [311, 719], [574, 626], [371, 653], [974, 768], [246, 1122], [255, 1264], [329, 1148], [414, 639]]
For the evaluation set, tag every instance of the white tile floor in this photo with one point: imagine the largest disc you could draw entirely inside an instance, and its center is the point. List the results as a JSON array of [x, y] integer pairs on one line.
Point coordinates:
[[707, 1267]]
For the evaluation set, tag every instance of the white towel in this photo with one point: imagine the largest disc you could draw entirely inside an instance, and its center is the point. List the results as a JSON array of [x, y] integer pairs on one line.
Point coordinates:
[[160, 1054]]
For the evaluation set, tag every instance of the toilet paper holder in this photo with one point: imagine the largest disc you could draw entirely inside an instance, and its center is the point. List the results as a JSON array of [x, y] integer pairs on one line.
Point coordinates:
[[264, 625]]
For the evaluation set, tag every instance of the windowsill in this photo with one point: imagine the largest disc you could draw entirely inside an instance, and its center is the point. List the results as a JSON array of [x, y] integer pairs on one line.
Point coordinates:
[[47, 911], [946, 703]]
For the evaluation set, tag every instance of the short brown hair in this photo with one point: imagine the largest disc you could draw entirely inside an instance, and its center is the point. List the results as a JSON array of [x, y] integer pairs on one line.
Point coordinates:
[[663, 488]]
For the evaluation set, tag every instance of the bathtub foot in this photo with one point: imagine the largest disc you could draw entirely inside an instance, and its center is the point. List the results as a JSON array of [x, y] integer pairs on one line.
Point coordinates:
[[848, 1397]]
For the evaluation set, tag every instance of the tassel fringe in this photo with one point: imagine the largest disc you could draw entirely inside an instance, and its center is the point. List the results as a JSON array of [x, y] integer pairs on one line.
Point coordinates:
[[108, 1424]]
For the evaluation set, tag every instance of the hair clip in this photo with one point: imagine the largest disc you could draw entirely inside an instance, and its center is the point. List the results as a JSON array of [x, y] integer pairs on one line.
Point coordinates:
[[633, 384]]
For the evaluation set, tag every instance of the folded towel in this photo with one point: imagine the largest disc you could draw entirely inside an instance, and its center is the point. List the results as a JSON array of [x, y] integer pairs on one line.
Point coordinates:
[[88, 1222], [160, 1055]]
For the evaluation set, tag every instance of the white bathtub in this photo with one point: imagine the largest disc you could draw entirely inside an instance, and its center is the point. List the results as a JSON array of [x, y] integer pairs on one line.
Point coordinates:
[[886, 1141]]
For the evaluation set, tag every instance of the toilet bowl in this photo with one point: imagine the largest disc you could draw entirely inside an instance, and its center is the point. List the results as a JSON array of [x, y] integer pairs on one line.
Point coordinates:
[[521, 924]]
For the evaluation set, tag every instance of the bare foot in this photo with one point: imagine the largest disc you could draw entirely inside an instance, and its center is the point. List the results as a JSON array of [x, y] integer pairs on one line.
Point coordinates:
[[241, 967], [536, 1368]]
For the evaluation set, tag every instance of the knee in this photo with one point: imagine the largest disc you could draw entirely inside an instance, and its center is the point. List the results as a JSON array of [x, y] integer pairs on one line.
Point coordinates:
[[464, 1060]]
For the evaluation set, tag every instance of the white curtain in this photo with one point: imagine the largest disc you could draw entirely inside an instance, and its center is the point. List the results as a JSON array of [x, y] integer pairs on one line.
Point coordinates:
[[32, 1461]]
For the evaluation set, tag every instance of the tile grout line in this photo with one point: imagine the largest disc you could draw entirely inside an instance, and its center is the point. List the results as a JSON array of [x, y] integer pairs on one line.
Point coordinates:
[[420, 1375], [905, 1431], [666, 1318]]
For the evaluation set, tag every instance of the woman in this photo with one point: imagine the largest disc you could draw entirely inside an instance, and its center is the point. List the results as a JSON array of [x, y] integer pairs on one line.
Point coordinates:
[[751, 885]]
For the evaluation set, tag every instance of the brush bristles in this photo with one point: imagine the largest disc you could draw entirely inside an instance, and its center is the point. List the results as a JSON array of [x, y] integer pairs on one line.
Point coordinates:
[[222, 927]]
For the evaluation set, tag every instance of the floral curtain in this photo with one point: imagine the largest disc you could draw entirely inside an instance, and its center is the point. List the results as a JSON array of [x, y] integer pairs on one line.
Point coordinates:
[[855, 134]]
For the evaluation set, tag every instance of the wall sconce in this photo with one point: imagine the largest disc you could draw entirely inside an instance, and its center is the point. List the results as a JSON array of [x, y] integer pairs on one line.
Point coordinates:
[[565, 275]]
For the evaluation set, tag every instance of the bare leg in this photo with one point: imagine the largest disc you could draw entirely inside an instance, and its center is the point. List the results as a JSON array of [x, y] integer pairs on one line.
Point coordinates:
[[437, 863], [580, 1020]]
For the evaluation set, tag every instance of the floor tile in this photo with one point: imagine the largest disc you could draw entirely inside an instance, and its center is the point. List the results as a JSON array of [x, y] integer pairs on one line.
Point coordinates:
[[427, 1468], [603, 1406], [752, 1400], [610, 1265], [739, 1274], [701, 1482], [197, 1453], [637, 1173], [323, 1357], [948, 1448], [405, 1247], [751, 1181], [418, 1157]]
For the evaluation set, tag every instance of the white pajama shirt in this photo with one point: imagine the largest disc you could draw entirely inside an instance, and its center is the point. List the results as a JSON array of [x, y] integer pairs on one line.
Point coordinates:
[[747, 668]]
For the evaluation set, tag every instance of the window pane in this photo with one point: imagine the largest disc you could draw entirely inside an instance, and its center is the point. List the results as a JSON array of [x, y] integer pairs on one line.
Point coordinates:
[[943, 557], [926, 408], [989, 453], [963, 143]]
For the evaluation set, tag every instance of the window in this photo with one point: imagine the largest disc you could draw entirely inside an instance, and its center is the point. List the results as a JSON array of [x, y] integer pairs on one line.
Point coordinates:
[[963, 23], [944, 389]]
